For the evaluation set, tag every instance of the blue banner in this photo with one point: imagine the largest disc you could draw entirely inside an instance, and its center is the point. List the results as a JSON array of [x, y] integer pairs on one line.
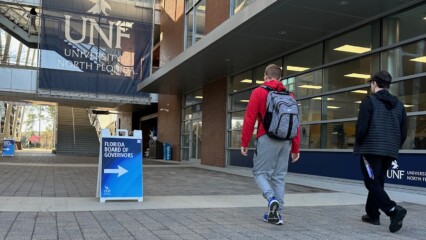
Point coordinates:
[[409, 169], [95, 46], [121, 172], [8, 147]]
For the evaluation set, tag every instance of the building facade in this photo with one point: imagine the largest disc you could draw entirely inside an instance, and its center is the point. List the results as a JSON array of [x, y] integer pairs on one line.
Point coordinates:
[[213, 54]]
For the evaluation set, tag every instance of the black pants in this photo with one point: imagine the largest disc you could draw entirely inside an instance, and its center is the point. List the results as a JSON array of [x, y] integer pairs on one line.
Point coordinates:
[[377, 196]]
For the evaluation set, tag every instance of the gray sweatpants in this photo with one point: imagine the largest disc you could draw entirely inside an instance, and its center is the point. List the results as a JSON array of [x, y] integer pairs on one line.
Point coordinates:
[[270, 166]]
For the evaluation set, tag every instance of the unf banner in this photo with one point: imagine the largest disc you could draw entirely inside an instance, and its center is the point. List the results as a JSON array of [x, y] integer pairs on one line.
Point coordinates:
[[95, 46]]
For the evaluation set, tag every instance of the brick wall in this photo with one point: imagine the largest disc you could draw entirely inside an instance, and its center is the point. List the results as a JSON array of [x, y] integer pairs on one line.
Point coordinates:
[[214, 123], [172, 27], [216, 13], [214, 101], [169, 122]]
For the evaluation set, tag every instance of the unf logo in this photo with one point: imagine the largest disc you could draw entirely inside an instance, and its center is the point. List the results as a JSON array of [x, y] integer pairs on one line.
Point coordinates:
[[394, 172], [100, 6]]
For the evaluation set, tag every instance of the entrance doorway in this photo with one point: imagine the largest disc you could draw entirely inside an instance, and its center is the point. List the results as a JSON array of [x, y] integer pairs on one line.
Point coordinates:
[[195, 140]]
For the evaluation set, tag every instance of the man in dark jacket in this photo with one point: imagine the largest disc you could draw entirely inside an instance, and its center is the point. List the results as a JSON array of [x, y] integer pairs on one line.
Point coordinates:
[[381, 129]]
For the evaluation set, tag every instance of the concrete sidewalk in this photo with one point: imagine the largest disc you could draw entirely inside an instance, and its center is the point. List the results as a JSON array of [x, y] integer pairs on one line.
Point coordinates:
[[46, 199]]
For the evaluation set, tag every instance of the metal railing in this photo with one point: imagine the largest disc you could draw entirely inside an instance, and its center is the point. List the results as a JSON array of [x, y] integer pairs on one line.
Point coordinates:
[[94, 121], [21, 17]]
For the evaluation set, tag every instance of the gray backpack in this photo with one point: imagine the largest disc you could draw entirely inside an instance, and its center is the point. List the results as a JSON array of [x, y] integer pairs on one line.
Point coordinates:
[[282, 115]]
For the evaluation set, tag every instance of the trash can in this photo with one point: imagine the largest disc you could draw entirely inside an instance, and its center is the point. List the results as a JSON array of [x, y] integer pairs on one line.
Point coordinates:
[[167, 151]]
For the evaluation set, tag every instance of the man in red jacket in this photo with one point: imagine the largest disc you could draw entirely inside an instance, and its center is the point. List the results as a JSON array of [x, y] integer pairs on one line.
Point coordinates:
[[271, 156]]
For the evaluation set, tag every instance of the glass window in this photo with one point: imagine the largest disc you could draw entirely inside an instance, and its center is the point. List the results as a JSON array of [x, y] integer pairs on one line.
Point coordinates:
[[303, 60], [405, 25], [308, 84], [200, 21], [3, 111], [289, 84], [195, 21], [189, 3], [328, 135], [240, 100], [235, 141], [189, 28], [13, 52], [416, 138], [192, 112], [237, 119], [195, 97], [406, 60], [349, 74], [342, 135], [310, 109], [343, 105], [238, 5], [241, 81], [310, 136], [412, 93], [353, 43]]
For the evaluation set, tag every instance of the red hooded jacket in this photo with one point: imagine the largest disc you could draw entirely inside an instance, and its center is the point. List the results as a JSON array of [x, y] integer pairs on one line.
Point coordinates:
[[256, 105]]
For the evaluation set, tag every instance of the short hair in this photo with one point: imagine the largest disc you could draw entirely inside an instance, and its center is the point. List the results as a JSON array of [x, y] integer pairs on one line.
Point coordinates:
[[273, 71], [382, 79]]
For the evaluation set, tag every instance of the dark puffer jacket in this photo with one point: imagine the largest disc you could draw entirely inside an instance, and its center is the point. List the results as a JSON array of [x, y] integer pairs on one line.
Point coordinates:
[[381, 128]]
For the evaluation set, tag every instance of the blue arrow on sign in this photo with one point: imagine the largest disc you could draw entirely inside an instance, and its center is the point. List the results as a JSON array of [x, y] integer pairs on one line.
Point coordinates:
[[120, 171]]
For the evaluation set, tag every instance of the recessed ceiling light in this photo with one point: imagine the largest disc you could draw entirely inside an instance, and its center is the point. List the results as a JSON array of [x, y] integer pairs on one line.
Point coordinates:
[[243, 100], [199, 97], [419, 59], [360, 91], [246, 81], [408, 106], [259, 82], [358, 75], [333, 107], [310, 86], [352, 49], [319, 98], [296, 68], [358, 102], [424, 18]]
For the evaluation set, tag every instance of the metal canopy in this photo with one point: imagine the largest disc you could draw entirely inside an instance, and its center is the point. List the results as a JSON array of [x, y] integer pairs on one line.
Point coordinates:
[[264, 30]]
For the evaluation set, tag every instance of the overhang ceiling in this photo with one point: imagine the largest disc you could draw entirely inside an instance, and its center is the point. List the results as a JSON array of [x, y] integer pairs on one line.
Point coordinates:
[[254, 36]]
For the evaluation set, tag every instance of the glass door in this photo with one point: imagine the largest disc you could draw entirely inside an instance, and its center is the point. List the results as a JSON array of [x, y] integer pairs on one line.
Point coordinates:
[[195, 140]]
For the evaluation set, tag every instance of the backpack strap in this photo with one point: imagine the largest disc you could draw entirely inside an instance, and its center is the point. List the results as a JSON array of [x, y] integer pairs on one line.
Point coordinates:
[[267, 88]]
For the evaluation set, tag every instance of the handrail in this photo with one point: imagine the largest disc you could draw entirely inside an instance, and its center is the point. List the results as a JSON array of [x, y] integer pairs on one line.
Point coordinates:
[[94, 121], [20, 16]]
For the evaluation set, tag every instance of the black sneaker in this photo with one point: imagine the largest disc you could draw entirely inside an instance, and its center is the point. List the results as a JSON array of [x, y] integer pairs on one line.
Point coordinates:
[[369, 220], [396, 218]]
